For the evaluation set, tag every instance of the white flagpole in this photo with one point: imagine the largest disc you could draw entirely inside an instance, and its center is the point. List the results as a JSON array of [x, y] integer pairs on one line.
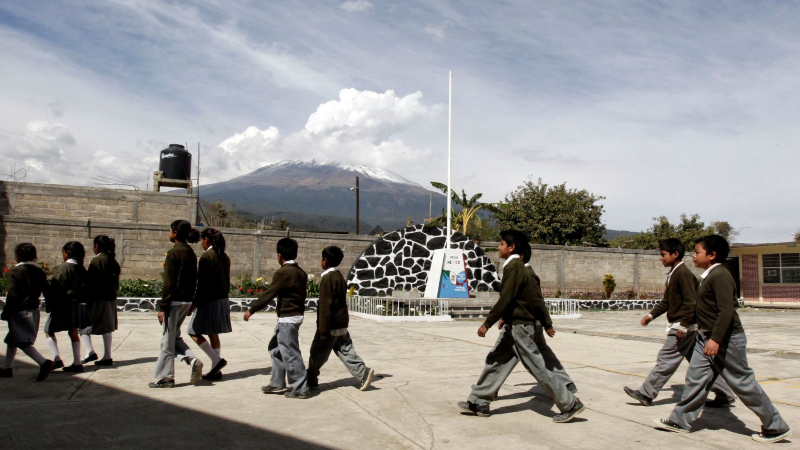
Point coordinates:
[[449, 153]]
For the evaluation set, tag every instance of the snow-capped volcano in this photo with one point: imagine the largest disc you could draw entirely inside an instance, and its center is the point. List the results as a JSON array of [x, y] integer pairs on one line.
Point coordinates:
[[314, 191]]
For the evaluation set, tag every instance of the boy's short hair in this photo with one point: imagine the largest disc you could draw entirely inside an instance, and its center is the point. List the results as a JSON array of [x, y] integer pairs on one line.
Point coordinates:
[[673, 245], [516, 238], [526, 252], [25, 252], [333, 255], [287, 248], [714, 243]]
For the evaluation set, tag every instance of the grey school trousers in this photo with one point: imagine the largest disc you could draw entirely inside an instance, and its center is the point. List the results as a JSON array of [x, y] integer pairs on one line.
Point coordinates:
[[284, 347], [550, 359], [343, 347], [516, 344], [669, 358], [172, 344], [730, 364]]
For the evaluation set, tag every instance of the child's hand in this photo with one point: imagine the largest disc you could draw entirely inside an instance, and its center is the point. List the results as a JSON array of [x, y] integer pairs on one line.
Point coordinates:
[[550, 331], [500, 324], [247, 316], [712, 347], [646, 319], [161, 317], [482, 331], [680, 334]]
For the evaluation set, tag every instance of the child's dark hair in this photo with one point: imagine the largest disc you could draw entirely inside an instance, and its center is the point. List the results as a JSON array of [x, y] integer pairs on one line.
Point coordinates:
[[714, 243], [75, 251], [185, 232], [333, 255], [673, 245], [106, 245], [25, 252], [287, 248], [516, 238], [526, 252], [215, 238]]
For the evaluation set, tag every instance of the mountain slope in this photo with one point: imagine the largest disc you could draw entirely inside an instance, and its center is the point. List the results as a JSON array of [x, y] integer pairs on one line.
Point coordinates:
[[309, 188]]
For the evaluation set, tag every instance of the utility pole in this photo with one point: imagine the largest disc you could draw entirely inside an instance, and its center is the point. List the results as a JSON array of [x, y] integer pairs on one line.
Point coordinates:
[[358, 206], [198, 184]]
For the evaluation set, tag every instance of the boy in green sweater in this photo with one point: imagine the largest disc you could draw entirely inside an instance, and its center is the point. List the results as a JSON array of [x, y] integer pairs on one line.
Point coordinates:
[[519, 307], [720, 350]]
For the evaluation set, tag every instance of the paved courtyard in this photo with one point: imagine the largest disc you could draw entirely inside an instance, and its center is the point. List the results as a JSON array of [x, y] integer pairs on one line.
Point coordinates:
[[425, 369]]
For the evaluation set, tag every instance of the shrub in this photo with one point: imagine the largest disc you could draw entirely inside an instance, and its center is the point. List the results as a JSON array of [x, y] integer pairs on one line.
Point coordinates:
[[136, 287], [609, 284]]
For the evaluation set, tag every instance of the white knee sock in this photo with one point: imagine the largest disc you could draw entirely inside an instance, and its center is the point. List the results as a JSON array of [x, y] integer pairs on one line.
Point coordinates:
[[219, 351], [11, 353], [86, 340], [107, 346], [34, 354], [206, 347], [53, 348], [76, 353]]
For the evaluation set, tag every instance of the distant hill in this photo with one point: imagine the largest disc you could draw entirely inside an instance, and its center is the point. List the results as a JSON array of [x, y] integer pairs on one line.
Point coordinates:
[[316, 196], [613, 234]]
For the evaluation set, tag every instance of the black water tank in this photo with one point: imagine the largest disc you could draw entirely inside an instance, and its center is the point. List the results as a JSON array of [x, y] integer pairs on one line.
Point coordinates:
[[176, 162]]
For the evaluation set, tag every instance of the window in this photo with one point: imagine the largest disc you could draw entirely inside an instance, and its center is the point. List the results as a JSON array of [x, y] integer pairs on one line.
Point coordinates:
[[781, 268]]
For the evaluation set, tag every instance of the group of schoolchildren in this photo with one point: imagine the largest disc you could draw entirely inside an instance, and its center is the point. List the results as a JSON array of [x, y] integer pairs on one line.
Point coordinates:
[[704, 327]]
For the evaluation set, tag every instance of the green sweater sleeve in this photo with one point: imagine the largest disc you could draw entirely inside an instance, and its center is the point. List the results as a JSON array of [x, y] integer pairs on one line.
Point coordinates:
[[171, 273], [275, 287], [724, 289], [324, 306], [508, 290], [688, 289], [661, 307], [540, 305]]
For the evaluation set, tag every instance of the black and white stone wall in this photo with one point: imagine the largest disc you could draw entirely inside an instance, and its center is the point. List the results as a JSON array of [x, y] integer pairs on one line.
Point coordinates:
[[400, 261], [146, 304]]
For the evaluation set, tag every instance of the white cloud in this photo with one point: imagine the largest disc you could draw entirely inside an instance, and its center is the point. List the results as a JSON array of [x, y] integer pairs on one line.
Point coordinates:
[[41, 146], [356, 6], [361, 127], [439, 32]]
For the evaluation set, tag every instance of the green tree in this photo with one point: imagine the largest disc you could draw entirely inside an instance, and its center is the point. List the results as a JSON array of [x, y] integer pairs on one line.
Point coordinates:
[[687, 230], [554, 214], [469, 209], [797, 236]]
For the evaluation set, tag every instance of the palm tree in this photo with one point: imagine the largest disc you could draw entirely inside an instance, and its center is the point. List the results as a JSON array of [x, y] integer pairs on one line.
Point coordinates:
[[469, 208]]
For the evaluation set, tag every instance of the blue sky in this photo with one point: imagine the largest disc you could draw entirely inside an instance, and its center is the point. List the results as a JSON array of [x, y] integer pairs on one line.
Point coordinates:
[[661, 107]]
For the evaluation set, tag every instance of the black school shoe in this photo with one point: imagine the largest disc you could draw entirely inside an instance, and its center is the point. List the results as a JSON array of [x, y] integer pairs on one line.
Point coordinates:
[[367, 381], [636, 395], [92, 357], [569, 415], [45, 370], [298, 395], [217, 369], [104, 362], [668, 425], [313, 383], [216, 377], [478, 410], [58, 364], [75, 368], [720, 402], [768, 438], [6, 373]]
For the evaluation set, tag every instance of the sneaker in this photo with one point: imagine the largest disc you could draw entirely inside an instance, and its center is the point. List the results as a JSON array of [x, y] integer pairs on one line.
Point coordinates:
[[58, 364], [197, 371], [569, 415], [478, 410], [718, 402], [298, 395], [636, 395], [216, 377], [272, 390], [92, 357], [768, 438], [104, 362], [75, 368], [45, 370], [217, 369], [572, 388], [6, 373], [668, 425], [367, 381], [313, 384], [162, 383]]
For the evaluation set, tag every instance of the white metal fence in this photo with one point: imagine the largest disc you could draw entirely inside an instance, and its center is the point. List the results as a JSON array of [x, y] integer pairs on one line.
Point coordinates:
[[390, 309], [563, 308]]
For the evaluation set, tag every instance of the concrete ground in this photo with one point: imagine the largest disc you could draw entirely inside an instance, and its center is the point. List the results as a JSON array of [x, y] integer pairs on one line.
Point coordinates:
[[425, 369]]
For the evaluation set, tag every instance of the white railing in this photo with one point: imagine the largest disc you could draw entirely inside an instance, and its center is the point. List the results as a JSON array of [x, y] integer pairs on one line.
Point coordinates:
[[563, 308], [390, 309]]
